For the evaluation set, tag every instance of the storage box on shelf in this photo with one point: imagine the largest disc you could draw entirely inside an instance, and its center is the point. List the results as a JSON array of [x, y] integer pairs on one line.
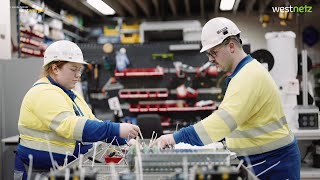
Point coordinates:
[[31, 42], [110, 31], [129, 29], [130, 33], [110, 35], [144, 93], [31, 32], [56, 27], [169, 107], [136, 72], [130, 38]]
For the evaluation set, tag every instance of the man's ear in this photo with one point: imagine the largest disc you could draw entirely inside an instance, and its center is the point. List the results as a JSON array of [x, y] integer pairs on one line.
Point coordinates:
[[232, 46]]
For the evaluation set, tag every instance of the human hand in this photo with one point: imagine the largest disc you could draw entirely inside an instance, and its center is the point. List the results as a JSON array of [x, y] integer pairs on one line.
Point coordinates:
[[163, 141], [131, 142], [129, 130]]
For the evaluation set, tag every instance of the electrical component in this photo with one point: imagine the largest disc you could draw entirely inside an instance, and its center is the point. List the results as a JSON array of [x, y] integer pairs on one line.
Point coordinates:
[[308, 118]]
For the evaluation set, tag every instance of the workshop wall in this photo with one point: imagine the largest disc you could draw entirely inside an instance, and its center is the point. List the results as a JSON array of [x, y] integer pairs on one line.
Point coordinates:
[[140, 56], [16, 78]]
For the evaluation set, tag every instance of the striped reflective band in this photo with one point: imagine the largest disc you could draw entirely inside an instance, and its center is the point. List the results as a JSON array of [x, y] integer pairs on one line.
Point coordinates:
[[202, 133], [43, 145], [78, 129], [259, 130], [227, 118], [264, 148], [42, 140], [52, 136], [56, 121]]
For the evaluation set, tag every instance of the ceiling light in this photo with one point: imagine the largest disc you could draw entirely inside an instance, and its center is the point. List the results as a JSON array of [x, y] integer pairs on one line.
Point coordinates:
[[101, 6], [226, 5]]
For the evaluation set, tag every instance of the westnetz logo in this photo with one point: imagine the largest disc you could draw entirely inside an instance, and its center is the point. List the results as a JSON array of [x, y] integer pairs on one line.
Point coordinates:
[[290, 8]]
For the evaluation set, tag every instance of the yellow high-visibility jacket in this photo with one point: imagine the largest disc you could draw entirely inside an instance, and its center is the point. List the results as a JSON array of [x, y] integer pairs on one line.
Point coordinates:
[[47, 118], [250, 117]]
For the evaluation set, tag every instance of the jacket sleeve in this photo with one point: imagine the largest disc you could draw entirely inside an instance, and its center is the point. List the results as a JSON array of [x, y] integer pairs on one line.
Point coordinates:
[[187, 135], [96, 130]]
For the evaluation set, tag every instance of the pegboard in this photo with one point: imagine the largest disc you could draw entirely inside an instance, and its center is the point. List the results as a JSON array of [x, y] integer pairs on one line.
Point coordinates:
[[140, 56]]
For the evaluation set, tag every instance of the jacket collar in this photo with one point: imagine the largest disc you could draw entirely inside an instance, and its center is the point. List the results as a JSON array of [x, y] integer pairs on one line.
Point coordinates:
[[68, 92], [241, 64]]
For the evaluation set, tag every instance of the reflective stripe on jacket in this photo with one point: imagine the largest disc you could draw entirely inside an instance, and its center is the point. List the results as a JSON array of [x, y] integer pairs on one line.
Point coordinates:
[[47, 118], [250, 116]]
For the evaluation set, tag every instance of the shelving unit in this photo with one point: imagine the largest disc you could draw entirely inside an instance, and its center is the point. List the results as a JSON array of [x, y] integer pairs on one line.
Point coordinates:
[[73, 35], [210, 72], [51, 13], [313, 134], [140, 72], [172, 107], [144, 93], [33, 41], [148, 84]]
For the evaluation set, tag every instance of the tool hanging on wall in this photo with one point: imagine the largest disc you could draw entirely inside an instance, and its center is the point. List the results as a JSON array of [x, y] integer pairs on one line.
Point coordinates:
[[207, 69], [111, 84], [184, 91], [95, 75], [109, 63], [193, 93], [122, 60], [107, 48], [163, 56], [96, 72]]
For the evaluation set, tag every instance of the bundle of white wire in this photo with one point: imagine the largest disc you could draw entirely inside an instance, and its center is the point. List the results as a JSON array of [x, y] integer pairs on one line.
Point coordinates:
[[212, 146]]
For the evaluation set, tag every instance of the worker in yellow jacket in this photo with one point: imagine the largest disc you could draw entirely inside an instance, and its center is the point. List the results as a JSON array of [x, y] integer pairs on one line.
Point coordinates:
[[250, 117], [54, 118]]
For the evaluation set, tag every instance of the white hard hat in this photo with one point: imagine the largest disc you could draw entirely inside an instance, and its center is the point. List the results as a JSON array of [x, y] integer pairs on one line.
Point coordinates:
[[123, 50], [215, 31], [63, 50]]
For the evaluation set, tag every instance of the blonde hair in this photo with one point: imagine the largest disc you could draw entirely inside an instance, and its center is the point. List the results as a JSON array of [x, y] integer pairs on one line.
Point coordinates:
[[47, 69]]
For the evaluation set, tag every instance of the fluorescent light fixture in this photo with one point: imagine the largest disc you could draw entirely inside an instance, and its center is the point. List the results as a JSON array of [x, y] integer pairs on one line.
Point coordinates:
[[101, 6], [226, 5]]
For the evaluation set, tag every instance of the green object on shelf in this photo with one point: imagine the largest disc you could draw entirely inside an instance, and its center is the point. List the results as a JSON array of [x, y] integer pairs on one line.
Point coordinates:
[[316, 71], [163, 56]]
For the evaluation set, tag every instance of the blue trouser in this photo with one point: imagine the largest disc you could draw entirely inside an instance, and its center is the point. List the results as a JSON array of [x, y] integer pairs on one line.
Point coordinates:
[[41, 160], [282, 163], [19, 169]]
